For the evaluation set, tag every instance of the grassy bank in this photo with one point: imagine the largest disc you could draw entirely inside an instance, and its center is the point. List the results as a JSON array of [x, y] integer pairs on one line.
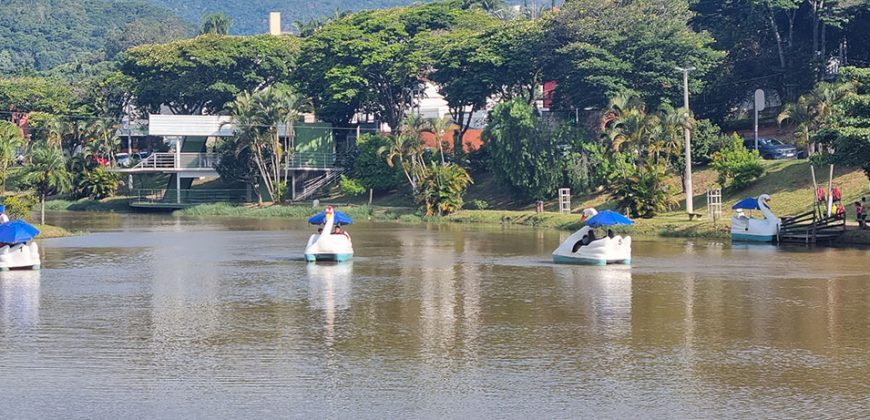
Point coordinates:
[[299, 212], [49, 231]]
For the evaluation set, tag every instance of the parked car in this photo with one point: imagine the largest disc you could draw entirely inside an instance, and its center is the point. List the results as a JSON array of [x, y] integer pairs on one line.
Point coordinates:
[[123, 160], [141, 155], [770, 148]]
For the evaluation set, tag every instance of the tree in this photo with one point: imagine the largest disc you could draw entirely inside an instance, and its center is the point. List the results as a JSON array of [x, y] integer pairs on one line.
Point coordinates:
[[523, 153], [26, 94], [10, 140], [366, 62], [216, 24], [438, 127], [205, 73], [848, 131], [602, 48], [483, 59], [259, 118], [48, 175], [408, 151], [812, 110]]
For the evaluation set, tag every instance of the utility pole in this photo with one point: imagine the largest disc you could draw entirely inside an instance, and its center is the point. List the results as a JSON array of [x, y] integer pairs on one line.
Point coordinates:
[[690, 207]]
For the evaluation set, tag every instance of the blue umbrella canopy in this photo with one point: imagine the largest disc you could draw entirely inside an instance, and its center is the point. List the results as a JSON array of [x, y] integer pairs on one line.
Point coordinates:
[[608, 218], [748, 203], [340, 218], [16, 232]]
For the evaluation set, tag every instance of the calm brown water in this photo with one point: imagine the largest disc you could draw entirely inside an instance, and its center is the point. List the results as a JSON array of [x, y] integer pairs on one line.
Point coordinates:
[[157, 317]]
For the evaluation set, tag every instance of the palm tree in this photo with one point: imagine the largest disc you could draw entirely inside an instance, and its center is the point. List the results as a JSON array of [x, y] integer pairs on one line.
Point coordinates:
[[627, 123], [813, 109], [103, 135], [439, 127], [47, 173], [398, 148], [216, 24], [800, 116], [257, 117], [673, 123], [55, 130], [10, 140]]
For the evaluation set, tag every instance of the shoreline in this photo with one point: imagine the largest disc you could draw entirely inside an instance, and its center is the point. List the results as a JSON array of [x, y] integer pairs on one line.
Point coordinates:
[[668, 225]]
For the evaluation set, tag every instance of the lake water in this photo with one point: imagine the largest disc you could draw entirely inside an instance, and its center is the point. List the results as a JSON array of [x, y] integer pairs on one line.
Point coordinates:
[[160, 317]]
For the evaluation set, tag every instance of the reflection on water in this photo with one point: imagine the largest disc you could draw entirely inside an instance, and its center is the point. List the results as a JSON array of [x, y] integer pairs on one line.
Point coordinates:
[[155, 316], [329, 290], [19, 299]]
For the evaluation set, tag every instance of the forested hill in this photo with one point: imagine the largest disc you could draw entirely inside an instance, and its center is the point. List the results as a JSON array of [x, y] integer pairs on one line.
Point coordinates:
[[40, 34], [250, 17]]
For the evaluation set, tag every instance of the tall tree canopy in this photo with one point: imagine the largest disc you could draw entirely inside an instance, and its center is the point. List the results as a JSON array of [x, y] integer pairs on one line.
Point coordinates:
[[205, 73], [25, 94], [366, 61], [603, 47]]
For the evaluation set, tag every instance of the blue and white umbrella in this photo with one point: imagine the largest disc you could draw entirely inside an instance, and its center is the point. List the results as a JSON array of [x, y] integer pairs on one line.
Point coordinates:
[[748, 203], [17, 232], [339, 218], [608, 218]]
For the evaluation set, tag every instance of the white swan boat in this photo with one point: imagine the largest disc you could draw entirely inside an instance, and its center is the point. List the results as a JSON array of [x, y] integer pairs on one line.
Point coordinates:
[[331, 243], [584, 247], [17, 248], [745, 228]]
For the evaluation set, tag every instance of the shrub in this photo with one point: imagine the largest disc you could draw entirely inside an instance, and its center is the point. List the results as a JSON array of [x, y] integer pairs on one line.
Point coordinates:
[[442, 188], [19, 206], [282, 190], [350, 186], [644, 192], [370, 169], [736, 165], [707, 139], [98, 184], [477, 205]]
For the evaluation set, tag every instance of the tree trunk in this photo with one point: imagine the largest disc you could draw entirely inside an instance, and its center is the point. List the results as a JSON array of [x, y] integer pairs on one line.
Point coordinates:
[[42, 209], [824, 48], [775, 28]]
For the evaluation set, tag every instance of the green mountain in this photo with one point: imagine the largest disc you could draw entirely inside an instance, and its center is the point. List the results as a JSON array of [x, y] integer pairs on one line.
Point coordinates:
[[41, 34], [251, 17]]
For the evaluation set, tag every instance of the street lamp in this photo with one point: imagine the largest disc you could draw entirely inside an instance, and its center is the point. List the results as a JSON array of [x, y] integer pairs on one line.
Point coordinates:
[[690, 207]]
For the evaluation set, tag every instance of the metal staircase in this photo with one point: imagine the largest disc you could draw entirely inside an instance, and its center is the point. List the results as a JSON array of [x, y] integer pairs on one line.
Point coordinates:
[[312, 186]]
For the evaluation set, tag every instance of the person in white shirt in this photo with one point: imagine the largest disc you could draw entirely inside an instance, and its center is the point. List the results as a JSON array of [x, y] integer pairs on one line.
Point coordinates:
[[3, 217]]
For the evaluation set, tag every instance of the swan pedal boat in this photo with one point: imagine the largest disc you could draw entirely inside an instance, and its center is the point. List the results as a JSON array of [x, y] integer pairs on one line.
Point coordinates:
[[327, 246], [577, 249], [20, 256], [602, 251], [744, 228]]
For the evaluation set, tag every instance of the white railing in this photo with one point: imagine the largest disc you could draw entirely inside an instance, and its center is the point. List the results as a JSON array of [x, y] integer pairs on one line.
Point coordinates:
[[178, 161], [315, 161]]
